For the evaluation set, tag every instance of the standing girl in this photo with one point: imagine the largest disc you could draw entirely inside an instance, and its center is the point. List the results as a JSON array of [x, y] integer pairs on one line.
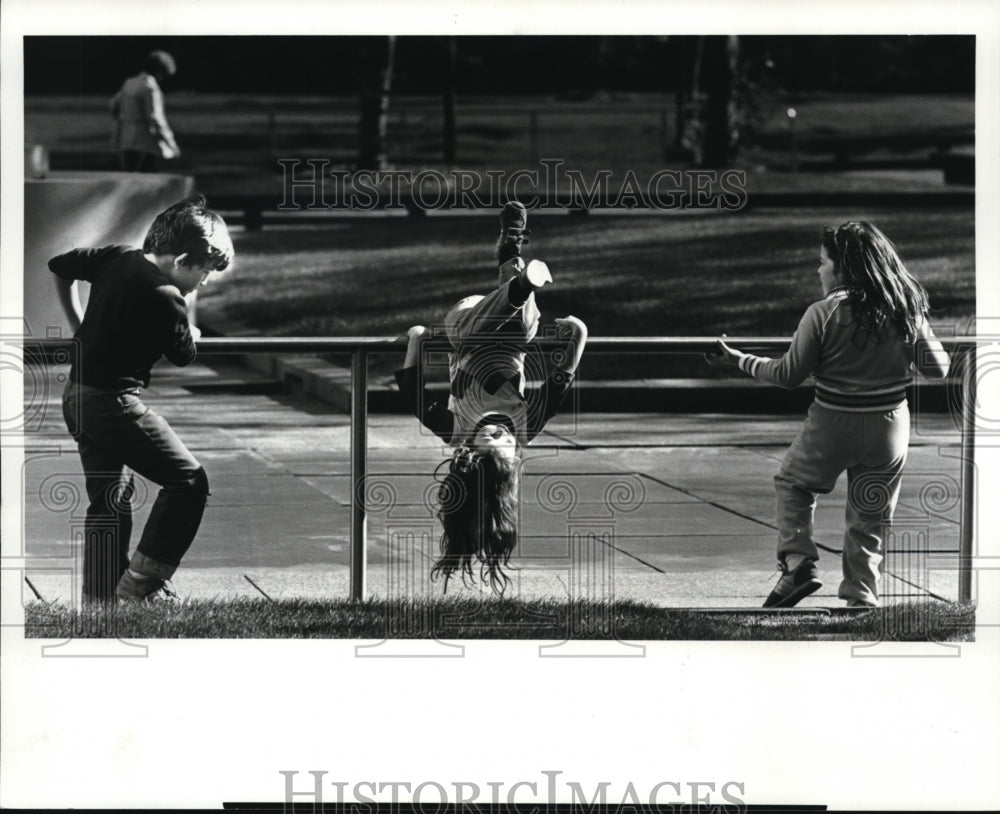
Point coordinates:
[[861, 343], [489, 417]]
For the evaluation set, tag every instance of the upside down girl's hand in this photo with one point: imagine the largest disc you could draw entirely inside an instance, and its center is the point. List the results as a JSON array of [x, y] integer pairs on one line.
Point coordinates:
[[569, 327], [413, 335]]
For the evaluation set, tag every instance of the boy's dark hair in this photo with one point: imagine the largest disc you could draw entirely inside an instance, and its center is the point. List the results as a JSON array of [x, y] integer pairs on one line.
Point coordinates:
[[478, 510], [188, 227]]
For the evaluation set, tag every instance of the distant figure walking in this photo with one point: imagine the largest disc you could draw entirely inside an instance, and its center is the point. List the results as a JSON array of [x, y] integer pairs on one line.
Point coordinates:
[[142, 134]]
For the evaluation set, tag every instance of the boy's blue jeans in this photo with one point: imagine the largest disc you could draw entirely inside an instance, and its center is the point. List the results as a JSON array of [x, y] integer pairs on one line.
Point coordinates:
[[117, 435], [871, 448]]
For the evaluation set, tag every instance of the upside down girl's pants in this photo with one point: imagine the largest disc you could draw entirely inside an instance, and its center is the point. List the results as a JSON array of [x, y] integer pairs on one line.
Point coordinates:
[[492, 317], [871, 448]]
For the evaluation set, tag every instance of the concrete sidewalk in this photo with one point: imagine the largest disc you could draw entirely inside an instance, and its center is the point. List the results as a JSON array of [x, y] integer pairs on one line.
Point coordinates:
[[672, 509]]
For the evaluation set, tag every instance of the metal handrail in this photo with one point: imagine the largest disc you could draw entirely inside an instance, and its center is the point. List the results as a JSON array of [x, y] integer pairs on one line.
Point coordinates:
[[360, 346], [350, 344]]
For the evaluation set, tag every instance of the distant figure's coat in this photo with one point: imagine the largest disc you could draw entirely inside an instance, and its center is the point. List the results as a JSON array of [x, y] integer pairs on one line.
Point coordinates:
[[141, 124]]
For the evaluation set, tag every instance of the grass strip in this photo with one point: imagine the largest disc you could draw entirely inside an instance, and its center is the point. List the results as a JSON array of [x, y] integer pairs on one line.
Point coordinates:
[[451, 619]]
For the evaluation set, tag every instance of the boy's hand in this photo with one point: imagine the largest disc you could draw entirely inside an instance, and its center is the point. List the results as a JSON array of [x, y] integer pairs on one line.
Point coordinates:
[[726, 357], [571, 327], [416, 332], [195, 332]]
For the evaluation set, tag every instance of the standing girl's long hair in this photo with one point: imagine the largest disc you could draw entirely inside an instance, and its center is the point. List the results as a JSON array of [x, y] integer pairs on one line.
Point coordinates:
[[477, 507], [885, 298]]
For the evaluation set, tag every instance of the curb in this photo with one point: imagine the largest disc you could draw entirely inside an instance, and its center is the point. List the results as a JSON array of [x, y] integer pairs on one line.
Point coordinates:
[[297, 373], [249, 210]]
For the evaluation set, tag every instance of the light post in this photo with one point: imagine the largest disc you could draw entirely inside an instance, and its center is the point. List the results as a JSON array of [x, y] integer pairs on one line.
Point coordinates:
[[792, 115]]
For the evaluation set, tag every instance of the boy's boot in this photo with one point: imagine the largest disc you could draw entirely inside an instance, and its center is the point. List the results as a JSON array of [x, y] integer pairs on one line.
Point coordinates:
[[145, 579]]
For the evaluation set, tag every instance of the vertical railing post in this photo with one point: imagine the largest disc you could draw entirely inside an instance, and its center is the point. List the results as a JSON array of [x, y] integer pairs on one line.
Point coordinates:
[[966, 534], [359, 470]]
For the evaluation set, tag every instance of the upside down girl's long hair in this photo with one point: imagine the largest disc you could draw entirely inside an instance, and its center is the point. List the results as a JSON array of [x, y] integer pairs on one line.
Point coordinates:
[[477, 506], [885, 298]]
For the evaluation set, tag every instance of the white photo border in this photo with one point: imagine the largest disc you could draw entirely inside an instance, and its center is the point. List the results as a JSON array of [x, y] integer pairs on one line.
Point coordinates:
[[199, 722]]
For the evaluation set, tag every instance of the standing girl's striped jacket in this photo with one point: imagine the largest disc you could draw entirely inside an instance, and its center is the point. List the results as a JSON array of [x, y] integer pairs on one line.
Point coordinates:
[[853, 370]]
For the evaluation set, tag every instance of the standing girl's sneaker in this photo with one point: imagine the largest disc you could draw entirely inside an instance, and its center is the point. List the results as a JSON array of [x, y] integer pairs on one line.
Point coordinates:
[[794, 585]]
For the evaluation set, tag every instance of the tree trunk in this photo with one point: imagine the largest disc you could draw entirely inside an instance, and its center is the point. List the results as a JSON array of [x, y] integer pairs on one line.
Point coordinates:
[[376, 87], [720, 135], [682, 99], [450, 140]]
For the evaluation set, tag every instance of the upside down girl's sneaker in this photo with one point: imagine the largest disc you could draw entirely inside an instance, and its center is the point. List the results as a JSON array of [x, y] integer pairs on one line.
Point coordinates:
[[513, 231]]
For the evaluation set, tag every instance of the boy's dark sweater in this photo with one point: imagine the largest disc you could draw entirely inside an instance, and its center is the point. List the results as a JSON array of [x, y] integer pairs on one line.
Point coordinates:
[[134, 316]]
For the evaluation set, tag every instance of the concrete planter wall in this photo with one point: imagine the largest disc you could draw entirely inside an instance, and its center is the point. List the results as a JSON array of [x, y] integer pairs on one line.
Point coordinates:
[[73, 209]]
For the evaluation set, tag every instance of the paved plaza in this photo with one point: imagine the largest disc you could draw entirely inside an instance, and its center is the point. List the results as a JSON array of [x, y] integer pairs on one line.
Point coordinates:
[[672, 509]]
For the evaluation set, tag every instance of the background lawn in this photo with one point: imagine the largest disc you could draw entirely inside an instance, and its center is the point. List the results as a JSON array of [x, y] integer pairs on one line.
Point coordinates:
[[231, 143], [666, 274], [748, 273]]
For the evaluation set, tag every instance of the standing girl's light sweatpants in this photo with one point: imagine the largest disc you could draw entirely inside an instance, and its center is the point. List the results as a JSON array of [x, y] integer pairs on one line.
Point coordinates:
[[871, 448]]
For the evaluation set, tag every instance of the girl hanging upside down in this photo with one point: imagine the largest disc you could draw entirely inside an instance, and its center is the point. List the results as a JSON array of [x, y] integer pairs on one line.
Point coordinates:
[[489, 417]]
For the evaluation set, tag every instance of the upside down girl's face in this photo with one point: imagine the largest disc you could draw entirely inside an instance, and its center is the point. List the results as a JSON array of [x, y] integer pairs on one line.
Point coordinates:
[[497, 437]]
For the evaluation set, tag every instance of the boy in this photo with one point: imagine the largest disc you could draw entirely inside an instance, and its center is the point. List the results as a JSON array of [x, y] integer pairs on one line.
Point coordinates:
[[136, 313]]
